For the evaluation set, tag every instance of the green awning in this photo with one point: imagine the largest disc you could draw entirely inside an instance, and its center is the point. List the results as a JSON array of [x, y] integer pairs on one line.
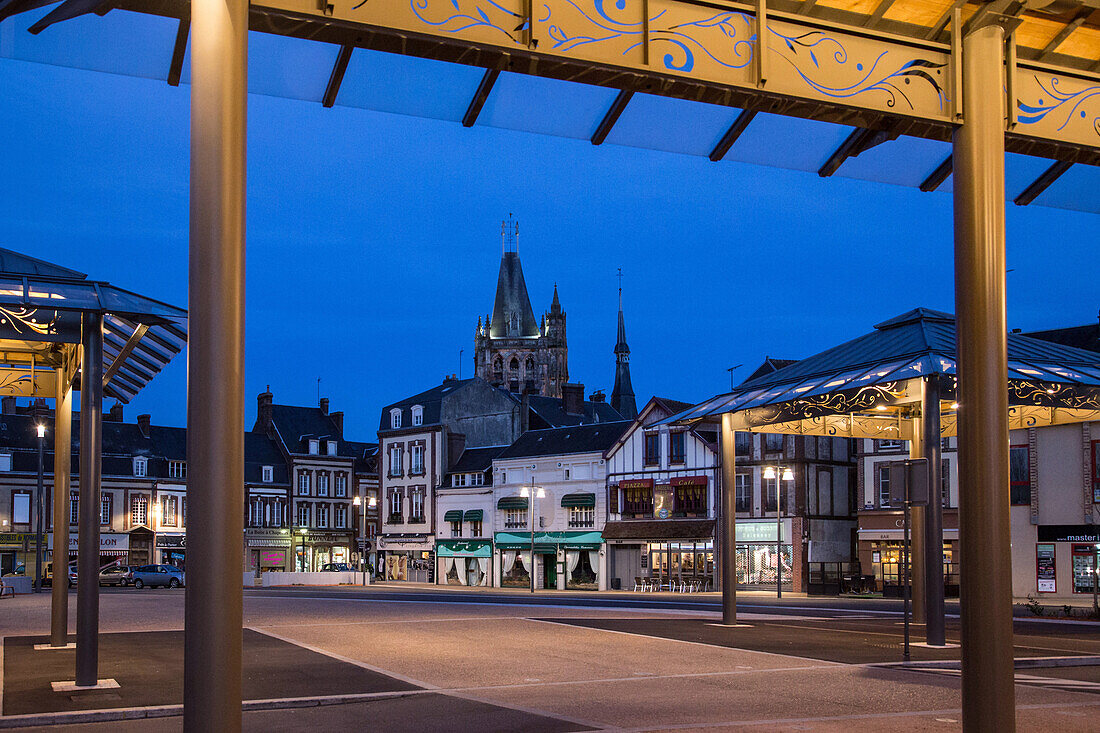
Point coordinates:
[[546, 541], [512, 502], [454, 515], [473, 515], [578, 500], [463, 548]]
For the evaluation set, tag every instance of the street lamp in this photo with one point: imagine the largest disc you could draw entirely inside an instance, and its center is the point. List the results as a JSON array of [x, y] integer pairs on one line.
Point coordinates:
[[535, 492], [774, 472], [39, 510]]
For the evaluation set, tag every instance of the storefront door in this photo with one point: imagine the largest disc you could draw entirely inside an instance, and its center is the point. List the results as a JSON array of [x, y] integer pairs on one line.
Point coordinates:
[[1085, 558], [550, 572]]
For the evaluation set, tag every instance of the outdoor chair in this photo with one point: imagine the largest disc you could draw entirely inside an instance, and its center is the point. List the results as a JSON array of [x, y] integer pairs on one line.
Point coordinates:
[[639, 583], [5, 588]]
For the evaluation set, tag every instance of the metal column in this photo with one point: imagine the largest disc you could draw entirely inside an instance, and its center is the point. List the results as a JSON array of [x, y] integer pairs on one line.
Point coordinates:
[[727, 521], [62, 459], [215, 368], [916, 535], [87, 561], [933, 513], [988, 695]]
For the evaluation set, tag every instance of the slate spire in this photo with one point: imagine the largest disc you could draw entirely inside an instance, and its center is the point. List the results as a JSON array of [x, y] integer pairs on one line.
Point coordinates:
[[512, 313], [622, 396]]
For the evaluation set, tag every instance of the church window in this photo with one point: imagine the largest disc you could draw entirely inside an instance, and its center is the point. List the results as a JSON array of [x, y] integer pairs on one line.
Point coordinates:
[[513, 365]]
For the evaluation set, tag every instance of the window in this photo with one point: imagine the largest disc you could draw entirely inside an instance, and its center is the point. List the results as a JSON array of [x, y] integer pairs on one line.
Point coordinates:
[[456, 528], [303, 483], [652, 449], [322, 515], [768, 487], [417, 415], [743, 492], [322, 483], [515, 518], [395, 418], [416, 511], [504, 477], [773, 441], [139, 510], [582, 516], [638, 501], [140, 466], [168, 506], [330, 447], [568, 474], [303, 515], [177, 469], [341, 516], [416, 457], [340, 484], [475, 529], [882, 471], [395, 460], [691, 500], [314, 446], [5, 461], [20, 507], [268, 474], [105, 508], [1019, 478], [74, 508], [459, 479], [676, 447], [396, 503], [742, 443]]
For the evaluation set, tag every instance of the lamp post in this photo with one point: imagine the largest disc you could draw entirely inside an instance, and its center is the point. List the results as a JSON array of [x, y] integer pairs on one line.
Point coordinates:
[[305, 550], [39, 507], [535, 492], [778, 473]]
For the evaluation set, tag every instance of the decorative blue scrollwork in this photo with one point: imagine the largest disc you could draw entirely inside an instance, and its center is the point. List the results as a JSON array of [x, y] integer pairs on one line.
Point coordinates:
[[1056, 103], [462, 20]]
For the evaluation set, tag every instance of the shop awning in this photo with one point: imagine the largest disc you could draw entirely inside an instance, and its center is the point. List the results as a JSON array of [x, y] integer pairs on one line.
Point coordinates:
[[578, 500], [473, 515], [512, 502], [463, 548], [549, 540], [660, 529], [454, 515]]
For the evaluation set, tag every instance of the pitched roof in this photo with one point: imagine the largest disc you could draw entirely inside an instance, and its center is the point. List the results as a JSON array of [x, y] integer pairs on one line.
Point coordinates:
[[768, 366], [431, 400], [476, 459], [260, 451], [562, 441], [550, 412], [512, 314], [1079, 337], [296, 425]]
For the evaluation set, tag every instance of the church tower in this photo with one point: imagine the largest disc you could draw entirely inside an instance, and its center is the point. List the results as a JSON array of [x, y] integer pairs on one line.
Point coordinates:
[[622, 396], [511, 350]]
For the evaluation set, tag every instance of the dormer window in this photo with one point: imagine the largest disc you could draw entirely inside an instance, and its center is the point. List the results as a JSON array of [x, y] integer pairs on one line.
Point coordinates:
[[268, 474], [395, 418], [141, 466], [417, 415], [330, 447], [314, 447]]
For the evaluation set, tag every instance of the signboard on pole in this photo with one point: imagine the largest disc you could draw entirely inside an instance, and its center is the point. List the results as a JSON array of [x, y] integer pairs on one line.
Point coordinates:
[[1045, 579]]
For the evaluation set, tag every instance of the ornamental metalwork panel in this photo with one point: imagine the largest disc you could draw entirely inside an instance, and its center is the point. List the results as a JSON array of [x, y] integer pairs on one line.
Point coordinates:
[[1057, 106], [22, 382]]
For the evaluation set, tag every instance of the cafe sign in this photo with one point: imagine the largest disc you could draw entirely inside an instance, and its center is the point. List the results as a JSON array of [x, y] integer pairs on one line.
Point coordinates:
[[636, 483], [108, 541]]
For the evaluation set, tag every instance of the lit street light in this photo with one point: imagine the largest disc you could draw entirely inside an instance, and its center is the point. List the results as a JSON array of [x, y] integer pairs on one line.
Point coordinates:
[[773, 472], [39, 505], [536, 492]]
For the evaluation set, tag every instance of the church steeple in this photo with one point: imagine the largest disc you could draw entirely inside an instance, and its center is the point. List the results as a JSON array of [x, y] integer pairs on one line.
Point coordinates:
[[622, 396], [512, 313]]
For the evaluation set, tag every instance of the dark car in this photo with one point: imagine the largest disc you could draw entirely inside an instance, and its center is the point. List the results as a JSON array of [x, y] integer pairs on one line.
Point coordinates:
[[336, 567], [154, 575]]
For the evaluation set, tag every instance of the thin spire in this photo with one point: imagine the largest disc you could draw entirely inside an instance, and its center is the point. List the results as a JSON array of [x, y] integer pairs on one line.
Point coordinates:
[[622, 395], [509, 235]]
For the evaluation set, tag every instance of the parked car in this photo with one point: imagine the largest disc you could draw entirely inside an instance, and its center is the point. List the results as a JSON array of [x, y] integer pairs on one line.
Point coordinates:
[[336, 567], [47, 577], [154, 575], [116, 575]]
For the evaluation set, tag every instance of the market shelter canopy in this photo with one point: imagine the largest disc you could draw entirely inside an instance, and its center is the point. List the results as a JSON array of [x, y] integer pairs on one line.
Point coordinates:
[[869, 386], [867, 89]]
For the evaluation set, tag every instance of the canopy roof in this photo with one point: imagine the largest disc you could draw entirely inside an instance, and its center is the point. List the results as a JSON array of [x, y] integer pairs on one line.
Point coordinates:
[[42, 306], [874, 373]]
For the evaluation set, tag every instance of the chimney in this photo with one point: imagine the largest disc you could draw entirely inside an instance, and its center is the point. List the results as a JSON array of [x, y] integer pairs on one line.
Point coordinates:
[[7, 405], [323, 403], [456, 444], [597, 396], [263, 409], [572, 398], [115, 415], [143, 424], [338, 418]]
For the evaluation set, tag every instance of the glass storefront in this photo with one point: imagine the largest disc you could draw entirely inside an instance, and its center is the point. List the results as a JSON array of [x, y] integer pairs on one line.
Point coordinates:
[[886, 560], [1085, 559], [667, 560], [515, 569], [757, 564]]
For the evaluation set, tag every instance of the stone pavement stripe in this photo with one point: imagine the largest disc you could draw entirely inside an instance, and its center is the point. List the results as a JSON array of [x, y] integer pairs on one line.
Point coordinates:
[[817, 662], [1021, 663], [448, 602]]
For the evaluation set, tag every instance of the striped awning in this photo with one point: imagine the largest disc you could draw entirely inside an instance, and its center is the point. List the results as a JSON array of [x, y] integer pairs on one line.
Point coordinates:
[[473, 515], [579, 500], [512, 502], [454, 515]]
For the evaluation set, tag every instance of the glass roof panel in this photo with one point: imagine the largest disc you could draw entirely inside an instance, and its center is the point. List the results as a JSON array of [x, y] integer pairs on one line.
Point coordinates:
[[390, 82], [281, 66], [672, 125], [906, 161], [120, 42], [546, 106], [1077, 189], [1021, 171], [788, 142]]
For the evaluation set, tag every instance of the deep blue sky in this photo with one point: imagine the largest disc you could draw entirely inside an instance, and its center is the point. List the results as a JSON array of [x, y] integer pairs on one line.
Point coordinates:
[[373, 242]]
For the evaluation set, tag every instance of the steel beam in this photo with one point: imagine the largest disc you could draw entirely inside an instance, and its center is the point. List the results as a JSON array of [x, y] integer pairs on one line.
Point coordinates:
[[937, 177], [732, 134], [1042, 183], [988, 694], [880, 10], [727, 518], [938, 28], [482, 94], [179, 50], [933, 514], [611, 117], [91, 465], [62, 459], [337, 76], [124, 353], [857, 142], [215, 368]]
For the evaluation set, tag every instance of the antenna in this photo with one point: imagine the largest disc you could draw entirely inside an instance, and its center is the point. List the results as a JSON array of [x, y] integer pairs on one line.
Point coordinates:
[[318, 390], [619, 275], [731, 370], [509, 235], [460, 363]]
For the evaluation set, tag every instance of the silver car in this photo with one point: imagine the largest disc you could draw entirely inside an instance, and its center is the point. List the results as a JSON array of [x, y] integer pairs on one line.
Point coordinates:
[[154, 575]]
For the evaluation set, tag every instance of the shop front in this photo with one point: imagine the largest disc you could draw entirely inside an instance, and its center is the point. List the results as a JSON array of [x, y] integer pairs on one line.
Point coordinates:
[[1067, 560], [759, 559], [672, 550], [313, 549], [407, 557], [114, 547], [881, 540], [464, 562], [171, 549], [268, 550], [562, 560]]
